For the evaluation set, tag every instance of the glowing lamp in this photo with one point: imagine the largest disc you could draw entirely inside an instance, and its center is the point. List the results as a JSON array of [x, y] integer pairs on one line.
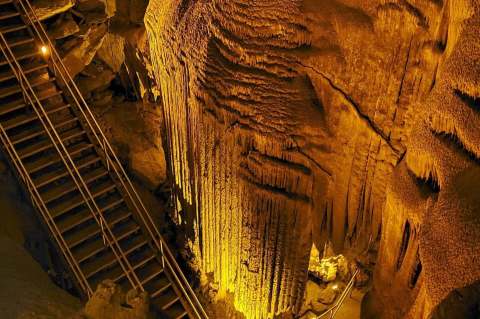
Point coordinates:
[[335, 287], [44, 50]]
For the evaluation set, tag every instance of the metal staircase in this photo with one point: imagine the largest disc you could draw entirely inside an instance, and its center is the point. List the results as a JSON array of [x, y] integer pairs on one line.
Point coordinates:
[[81, 191]]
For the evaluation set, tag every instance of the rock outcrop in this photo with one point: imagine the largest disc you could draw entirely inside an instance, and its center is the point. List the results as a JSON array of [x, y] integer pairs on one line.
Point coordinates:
[[110, 302], [287, 121], [45, 9]]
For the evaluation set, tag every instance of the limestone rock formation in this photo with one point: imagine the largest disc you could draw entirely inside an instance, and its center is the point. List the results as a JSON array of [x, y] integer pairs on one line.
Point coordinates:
[[286, 123], [290, 124], [82, 53], [110, 302], [63, 27], [45, 9], [112, 51], [134, 129]]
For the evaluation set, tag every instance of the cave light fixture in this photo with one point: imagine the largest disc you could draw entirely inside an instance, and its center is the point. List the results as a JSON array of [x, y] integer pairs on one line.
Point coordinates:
[[44, 50]]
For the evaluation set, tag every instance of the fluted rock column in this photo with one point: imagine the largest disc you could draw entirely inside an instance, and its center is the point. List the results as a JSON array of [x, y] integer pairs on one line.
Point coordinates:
[[228, 93], [284, 120]]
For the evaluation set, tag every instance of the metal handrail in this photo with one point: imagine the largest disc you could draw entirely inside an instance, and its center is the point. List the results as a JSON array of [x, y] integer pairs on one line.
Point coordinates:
[[43, 210], [38, 201], [118, 169], [332, 311], [57, 141]]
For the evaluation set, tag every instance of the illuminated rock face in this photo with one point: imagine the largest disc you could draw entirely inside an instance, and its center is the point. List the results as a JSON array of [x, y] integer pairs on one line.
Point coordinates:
[[285, 120]]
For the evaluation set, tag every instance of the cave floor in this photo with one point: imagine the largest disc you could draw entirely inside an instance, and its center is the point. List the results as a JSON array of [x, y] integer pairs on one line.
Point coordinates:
[[351, 308]]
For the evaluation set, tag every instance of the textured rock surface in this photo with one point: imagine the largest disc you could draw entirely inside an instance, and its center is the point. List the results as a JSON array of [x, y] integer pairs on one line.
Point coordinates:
[[297, 122], [134, 129], [45, 9], [110, 302], [26, 291], [83, 53], [285, 120]]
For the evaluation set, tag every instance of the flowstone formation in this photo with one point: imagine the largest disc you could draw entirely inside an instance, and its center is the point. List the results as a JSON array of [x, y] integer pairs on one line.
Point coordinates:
[[286, 122], [433, 193]]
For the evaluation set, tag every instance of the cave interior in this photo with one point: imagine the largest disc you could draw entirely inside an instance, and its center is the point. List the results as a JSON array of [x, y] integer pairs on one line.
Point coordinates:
[[251, 159]]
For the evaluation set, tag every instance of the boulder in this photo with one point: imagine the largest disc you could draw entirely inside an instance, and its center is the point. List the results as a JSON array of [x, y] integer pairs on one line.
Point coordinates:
[[95, 76], [112, 51], [96, 9], [149, 166], [63, 27], [110, 302], [45, 9], [84, 51]]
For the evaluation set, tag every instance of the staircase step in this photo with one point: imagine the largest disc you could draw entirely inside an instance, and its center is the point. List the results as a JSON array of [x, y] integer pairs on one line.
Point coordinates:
[[85, 215], [16, 88], [177, 311], [9, 13], [21, 54], [47, 144], [4, 2], [20, 103], [66, 204], [26, 118], [161, 292], [12, 27], [8, 75], [35, 132], [57, 191], [150, 271], [51, 159], [108, 259], [96, 191], [60, 173], [84, 252], [92, 229], [116, 273], [19, 40]]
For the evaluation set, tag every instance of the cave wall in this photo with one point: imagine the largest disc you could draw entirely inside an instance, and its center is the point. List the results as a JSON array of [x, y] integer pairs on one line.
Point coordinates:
[[26, 289], [287, 122]]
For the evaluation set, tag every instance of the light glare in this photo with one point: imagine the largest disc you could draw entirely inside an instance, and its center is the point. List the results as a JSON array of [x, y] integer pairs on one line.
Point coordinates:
[[44, 50]]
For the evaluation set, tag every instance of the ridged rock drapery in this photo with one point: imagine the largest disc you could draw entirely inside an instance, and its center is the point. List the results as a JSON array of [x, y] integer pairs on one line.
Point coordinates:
[[240, 178], [284, 121]]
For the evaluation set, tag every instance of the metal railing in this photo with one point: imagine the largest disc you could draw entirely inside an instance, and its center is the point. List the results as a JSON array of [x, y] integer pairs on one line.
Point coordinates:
[[332, 311], [32, 99], [24, 175], [114, 165]]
